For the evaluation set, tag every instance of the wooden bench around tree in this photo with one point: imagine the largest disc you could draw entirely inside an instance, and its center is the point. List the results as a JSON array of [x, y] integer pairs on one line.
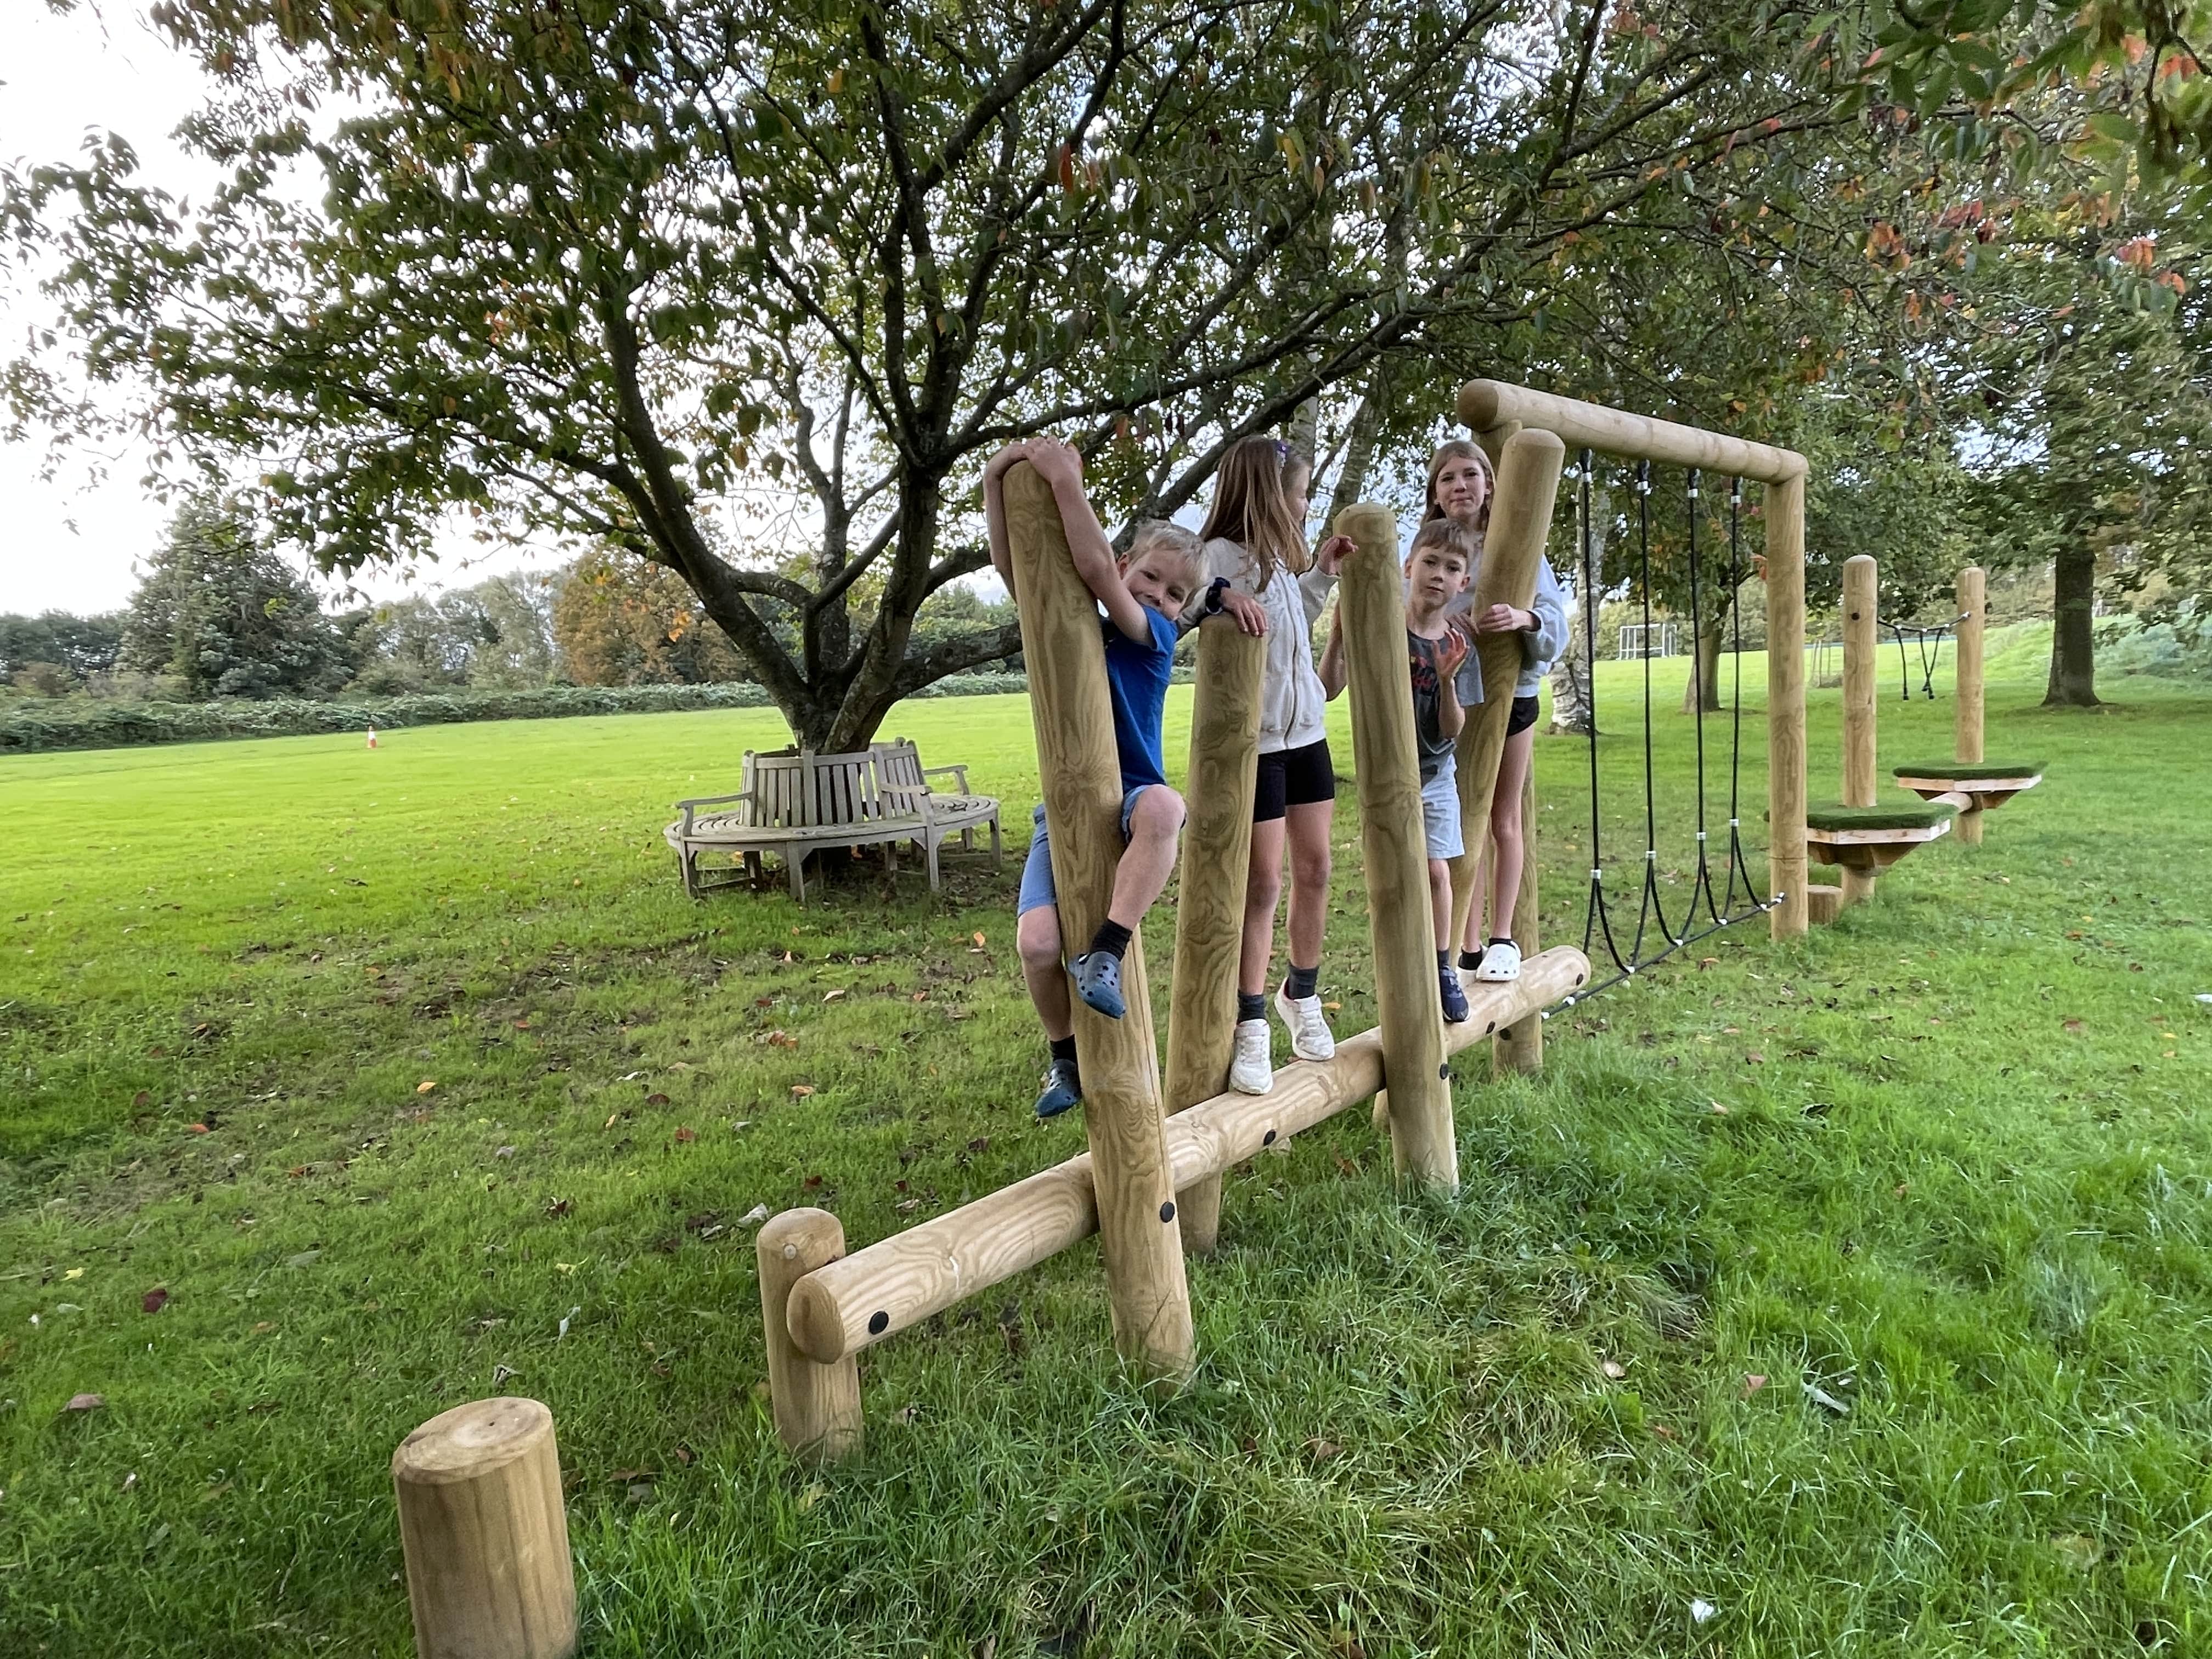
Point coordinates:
[[793, 805]]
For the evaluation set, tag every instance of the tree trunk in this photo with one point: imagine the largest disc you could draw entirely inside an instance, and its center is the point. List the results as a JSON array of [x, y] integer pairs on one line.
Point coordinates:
[[2073, 638], [1706, 671]]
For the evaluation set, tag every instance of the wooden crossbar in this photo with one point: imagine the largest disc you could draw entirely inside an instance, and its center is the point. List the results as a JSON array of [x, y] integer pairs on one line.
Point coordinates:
[[838, 1309]]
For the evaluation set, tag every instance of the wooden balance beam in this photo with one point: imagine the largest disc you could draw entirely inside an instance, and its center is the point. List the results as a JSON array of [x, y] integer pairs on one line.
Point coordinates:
[[839, 1309]]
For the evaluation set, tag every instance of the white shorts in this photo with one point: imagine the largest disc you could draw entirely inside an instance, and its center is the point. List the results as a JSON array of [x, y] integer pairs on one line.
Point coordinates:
[[1440, 811]]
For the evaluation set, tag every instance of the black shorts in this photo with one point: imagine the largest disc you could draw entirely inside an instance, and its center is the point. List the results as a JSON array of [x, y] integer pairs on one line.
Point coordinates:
[[1293, 777], [1522, 717]]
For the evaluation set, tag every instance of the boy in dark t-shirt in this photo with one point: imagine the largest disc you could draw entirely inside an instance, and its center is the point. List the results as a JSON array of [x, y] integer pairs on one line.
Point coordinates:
[[1143, 593], [1447, 681]]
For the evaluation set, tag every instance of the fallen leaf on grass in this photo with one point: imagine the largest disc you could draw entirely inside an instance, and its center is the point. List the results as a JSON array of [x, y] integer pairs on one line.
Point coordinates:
[[780, 1039], [1754, 1058], [1753, 1383], [1344, 1165], [656, 1098], [813, 1495], [142, 1100], [906, 1413], [812, 1183], [1719, 1110], [1826, 1401], [978, 939], [196, 1129], [154, 1300], [1333, 1007], [754, 1217], [130, 1480], [73, 1272], [1664, 1432], [263, 1329], [1322, 1450], [305, 1259], [832, 996], [1613, 1369], [2078, 1551], [504, 1151], [85, 1402], [800, 1091], [2072, 1028], [1701, 1610], [426, 1085]]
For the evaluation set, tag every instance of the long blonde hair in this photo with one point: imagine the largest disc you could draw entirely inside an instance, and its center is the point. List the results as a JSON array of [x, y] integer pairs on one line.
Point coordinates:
[[1250, 509], [1460, 449]]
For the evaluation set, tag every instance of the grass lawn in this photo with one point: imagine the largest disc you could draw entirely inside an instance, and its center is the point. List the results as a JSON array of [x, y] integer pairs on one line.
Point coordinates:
[[1856, 1292]]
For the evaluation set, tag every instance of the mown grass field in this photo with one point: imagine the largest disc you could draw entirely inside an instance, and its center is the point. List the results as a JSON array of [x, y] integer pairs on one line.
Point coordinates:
[[372, 1070]]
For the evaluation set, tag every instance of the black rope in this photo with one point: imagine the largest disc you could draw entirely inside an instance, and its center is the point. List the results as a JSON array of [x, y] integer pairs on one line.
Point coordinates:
[[1928, 639], [1598, 920]]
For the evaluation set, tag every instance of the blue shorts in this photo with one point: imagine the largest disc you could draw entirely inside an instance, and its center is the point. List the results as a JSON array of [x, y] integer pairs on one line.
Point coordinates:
[[1440, 813], [1037, 890]]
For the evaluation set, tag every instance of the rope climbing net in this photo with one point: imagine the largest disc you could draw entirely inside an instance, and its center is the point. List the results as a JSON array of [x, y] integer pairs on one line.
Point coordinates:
[[1728, 895]]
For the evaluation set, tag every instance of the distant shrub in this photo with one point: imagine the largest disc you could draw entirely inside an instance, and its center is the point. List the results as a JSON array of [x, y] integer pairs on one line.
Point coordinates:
[[26, 725]]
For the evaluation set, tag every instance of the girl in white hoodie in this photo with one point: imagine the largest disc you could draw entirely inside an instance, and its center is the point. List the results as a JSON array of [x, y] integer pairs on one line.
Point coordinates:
[[1255, 543]]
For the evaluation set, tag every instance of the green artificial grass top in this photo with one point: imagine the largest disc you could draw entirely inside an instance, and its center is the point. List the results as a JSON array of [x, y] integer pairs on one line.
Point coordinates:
[[1901, 815], [1968, 771]]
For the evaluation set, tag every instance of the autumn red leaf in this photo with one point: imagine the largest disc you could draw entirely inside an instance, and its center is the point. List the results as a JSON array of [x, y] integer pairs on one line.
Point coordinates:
[[156, 1299]]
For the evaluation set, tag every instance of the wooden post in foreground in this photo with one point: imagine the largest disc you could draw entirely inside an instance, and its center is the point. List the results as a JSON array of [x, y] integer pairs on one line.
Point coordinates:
[[1529, 463], [1859, 714], [1786, 707], [1217, 857], [1081, 776], [485, 1534], [1402, 932], [817, 1408], [1973, 602], [1520, 1047]]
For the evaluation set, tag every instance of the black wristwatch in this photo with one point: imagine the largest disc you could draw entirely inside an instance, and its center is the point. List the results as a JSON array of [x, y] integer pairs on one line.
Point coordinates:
[[1214, 589]]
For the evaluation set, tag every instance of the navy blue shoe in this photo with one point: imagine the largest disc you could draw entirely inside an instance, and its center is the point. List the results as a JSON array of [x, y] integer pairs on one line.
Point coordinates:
[[1063, 1089], [1098, 982], [1454, 999]]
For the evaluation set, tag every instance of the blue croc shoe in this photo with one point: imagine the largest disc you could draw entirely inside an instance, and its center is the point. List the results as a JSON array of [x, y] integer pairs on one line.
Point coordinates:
[[1454, 999], [1098, 982], [1063, 1089]]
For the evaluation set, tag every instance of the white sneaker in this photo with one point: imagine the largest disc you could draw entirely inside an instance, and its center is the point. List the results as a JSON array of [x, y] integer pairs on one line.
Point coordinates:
[[1309, 1034], [1251, 1072], [1500, 962]]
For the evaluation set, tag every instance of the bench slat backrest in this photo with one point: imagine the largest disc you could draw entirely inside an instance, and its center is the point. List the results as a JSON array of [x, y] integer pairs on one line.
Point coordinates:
[[898, 773]]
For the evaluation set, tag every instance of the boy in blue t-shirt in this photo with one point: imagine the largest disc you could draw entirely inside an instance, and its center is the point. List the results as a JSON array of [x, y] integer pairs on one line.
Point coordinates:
[[1143, 593]]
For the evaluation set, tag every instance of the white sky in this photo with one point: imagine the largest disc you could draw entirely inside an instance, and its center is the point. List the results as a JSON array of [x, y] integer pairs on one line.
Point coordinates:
[[68, 544]]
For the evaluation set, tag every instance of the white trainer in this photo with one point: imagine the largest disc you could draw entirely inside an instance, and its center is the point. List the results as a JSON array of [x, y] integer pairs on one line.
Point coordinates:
[[1500, 962], [1309, 1033], [1251, 1072]]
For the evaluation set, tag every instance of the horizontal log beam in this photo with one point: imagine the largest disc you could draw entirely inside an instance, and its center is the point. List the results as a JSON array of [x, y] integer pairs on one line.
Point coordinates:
[[1486, 403], [899, 1281]]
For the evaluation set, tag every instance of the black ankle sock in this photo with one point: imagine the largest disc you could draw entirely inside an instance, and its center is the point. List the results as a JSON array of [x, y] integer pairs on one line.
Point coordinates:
[[1251, 1004], [1063, 1048], [1443, 962], [1500, 941], [1470, 960], [1300, 984], [1112, 937]]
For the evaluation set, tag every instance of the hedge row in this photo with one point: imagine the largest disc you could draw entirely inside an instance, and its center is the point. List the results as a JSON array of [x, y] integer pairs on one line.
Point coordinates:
[[32, 726]]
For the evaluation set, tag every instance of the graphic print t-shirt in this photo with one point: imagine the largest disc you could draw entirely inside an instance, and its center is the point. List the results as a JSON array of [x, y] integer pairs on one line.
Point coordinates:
[[1428, 697]]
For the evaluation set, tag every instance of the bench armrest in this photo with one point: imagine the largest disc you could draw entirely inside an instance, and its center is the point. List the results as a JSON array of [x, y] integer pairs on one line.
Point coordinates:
[[690, 807], [958, 772]]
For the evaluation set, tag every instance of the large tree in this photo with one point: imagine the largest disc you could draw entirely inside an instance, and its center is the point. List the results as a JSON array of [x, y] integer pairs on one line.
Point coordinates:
[[611, 268]]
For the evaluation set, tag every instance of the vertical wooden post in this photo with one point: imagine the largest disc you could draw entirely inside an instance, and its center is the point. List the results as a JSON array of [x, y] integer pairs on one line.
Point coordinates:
[[485, 1534], [1371, 601], [1859, 714], [1081, 779], [1972, 603], [1217, 856], [1529, 463], [1520, 1047], [1786, 707], [817, 1408]]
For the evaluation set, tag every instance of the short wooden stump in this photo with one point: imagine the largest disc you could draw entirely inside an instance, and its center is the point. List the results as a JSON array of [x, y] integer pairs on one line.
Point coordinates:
[[486, 1535]]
